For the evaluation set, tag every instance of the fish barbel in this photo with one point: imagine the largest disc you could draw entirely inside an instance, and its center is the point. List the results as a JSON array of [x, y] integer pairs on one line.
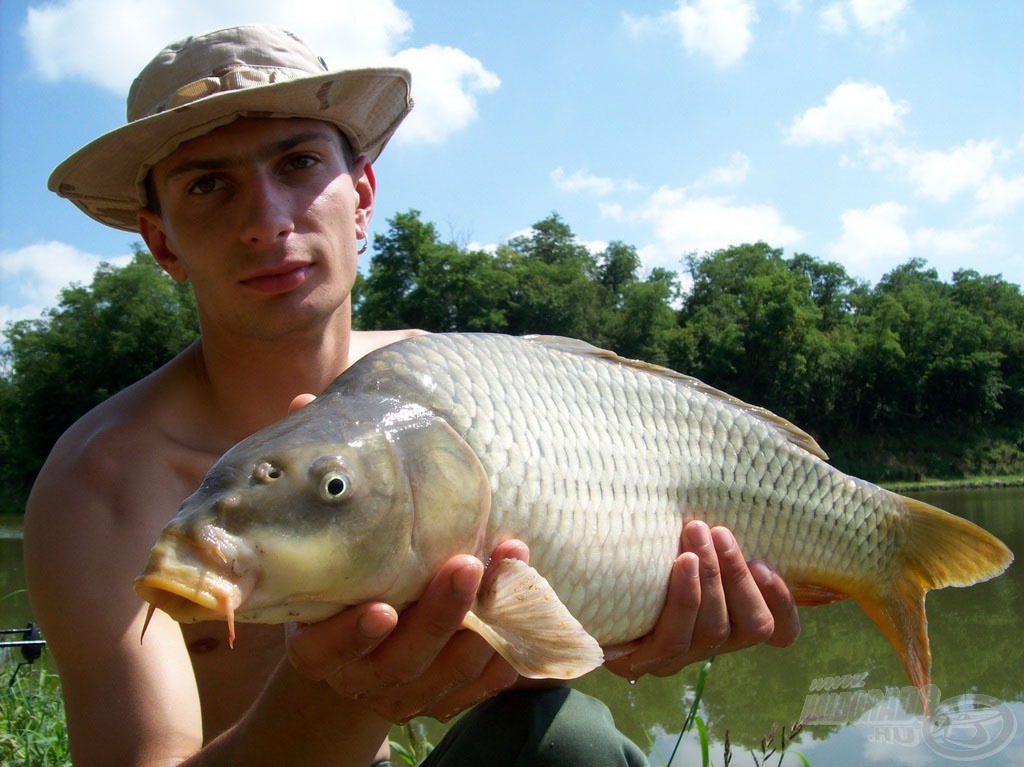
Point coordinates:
[[451, 443]]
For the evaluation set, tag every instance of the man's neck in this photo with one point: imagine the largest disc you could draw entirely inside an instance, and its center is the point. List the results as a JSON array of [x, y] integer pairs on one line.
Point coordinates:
[[251, 383]]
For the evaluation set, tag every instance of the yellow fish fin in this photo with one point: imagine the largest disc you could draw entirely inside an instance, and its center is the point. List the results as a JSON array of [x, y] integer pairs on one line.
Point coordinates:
[[941, 549], [792, 433], [522, 618], [813, 595]]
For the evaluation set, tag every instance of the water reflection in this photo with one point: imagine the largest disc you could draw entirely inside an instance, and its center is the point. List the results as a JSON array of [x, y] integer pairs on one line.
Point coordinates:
[[976, 646]]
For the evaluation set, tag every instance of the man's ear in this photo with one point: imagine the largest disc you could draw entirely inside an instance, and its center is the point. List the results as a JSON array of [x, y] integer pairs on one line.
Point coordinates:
[[152, 231], [365, 182]]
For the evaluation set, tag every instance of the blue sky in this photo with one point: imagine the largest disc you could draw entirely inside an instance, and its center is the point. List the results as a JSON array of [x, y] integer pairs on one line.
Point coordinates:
[[865, 132]]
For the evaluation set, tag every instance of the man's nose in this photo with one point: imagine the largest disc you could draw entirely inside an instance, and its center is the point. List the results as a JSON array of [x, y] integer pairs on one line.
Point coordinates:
[[268, 212]]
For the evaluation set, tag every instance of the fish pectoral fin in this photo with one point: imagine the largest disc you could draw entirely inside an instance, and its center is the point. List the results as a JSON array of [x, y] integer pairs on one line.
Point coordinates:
[[810, 595], [522, 618]]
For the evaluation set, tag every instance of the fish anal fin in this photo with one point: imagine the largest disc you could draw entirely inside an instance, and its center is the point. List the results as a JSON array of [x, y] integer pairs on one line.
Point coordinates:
[[899, 612], [811, 595], [522, 618]]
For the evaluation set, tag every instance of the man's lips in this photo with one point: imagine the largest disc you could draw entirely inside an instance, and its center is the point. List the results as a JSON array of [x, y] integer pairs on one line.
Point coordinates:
[[277, 280]]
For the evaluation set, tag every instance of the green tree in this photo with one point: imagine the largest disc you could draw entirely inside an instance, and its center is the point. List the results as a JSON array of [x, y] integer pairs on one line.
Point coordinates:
[[98, 340], [415, 280], [555, 284], [753, 328]]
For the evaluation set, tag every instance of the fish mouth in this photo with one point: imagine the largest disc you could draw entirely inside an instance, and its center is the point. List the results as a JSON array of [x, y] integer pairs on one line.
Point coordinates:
[[194, 580]]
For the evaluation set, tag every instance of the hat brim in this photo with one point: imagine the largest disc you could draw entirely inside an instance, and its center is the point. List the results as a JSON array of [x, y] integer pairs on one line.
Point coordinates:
[[106, 178]]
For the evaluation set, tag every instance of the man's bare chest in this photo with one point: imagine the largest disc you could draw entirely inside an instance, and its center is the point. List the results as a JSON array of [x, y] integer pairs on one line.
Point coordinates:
[[229, 680]]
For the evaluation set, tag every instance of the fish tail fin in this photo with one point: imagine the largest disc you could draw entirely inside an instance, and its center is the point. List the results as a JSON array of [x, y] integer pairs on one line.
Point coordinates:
[[940, 550]]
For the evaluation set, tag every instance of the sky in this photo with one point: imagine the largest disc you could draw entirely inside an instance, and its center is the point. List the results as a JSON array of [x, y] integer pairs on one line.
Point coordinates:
[[866, 132]]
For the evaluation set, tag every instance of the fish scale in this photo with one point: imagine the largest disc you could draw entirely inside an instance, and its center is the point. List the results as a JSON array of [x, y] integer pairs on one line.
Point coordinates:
[[452, 443]]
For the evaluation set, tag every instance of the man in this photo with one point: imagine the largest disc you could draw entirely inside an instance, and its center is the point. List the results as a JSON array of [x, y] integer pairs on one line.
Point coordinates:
[[246, 167]]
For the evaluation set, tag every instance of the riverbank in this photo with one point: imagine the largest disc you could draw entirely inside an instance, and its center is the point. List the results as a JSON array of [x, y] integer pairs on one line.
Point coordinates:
[[965, 483]]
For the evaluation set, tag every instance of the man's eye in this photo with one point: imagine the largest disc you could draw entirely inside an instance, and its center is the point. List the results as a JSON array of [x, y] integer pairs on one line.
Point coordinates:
[[302, 161], [205, 185]]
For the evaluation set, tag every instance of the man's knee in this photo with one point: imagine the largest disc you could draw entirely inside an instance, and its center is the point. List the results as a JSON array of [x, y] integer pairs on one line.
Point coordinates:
[[546, 727]]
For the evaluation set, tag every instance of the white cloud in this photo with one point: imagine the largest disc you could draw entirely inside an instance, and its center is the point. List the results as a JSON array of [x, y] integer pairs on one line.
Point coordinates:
[[32, 277], [943, 242], [581, 181], [685, 224], [718, 29], [446, 82], [732, 174], [106, 42], [941, 175], [833, 19], [871, 235], [877, 237], [875, 17], [998, 196], [854, 110]]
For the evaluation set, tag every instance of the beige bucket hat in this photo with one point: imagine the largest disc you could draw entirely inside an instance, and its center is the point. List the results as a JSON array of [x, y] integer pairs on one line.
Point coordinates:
[[200, 83]]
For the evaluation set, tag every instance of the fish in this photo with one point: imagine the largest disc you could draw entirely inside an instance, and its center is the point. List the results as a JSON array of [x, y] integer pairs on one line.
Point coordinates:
[[445, 444]]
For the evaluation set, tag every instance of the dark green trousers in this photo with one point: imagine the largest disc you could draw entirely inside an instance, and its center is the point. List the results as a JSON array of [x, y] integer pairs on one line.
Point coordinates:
[[537, 728]]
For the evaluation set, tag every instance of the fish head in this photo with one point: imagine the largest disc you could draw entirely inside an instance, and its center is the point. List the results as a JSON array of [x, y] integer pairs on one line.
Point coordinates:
[[318, 512]]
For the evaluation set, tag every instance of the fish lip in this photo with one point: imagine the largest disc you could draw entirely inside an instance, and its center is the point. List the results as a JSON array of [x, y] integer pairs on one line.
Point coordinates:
[[193, 578], [186, 602]]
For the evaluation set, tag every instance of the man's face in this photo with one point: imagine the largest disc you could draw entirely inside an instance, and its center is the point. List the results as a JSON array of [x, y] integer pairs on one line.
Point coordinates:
[[261, 216]]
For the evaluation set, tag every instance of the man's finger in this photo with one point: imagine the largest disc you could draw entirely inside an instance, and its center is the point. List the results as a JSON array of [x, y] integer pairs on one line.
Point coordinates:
[[317, 650]]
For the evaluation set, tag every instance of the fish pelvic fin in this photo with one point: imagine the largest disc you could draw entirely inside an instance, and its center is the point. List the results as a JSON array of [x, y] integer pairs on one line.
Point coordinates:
[[522, 618], [940, 550]]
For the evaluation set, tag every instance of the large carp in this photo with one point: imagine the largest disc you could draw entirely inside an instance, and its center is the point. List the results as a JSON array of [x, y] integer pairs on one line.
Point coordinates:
[[447, 444]]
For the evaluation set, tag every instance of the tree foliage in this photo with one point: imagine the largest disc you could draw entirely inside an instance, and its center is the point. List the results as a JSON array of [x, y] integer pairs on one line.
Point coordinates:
[[98, 339], [866, 368]]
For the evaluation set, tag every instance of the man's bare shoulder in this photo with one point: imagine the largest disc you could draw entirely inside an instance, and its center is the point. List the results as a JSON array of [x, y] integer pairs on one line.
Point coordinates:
[[135, 438], [365, 341]]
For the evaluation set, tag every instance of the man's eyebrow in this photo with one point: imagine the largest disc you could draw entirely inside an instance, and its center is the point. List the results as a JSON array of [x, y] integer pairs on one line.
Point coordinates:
[[270, 150]]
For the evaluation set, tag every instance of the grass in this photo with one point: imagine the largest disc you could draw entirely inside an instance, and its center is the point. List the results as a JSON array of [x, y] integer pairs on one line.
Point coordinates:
[[966, 483], [33, 732], [776, 743]]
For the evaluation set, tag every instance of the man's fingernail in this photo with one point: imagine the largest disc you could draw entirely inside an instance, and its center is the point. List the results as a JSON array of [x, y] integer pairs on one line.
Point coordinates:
[[724, 540], [466, 580], [376, 624], [698, 535]]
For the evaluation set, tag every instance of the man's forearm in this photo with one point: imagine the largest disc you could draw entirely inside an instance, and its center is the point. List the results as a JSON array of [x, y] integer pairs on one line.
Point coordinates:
[[297, 721]]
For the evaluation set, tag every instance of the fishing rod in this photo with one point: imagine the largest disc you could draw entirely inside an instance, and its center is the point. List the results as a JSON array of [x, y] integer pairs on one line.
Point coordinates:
[[31, 645]]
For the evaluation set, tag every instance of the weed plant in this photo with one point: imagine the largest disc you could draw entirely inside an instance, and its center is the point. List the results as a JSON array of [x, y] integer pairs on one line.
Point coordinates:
[[33, 732]]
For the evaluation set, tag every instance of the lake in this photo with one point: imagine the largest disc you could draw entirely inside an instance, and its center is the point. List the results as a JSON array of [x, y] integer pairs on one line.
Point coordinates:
[[978, 668]]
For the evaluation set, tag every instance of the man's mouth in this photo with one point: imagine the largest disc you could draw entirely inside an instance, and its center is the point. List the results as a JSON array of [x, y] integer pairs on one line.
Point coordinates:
[[277, 280]]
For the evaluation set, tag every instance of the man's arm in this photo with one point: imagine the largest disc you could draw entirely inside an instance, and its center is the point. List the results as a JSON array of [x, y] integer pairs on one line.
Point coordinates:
[[129, 703]]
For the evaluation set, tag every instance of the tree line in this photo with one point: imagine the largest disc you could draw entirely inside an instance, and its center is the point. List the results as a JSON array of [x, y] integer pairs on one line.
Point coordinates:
[[910, 376]]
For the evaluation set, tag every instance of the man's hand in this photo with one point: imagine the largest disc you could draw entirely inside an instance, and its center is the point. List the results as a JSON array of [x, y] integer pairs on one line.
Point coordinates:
[[421, 663], [716, 603]]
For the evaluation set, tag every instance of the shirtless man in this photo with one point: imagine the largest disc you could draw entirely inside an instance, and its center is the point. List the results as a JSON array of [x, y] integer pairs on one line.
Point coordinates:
[[262, 216]]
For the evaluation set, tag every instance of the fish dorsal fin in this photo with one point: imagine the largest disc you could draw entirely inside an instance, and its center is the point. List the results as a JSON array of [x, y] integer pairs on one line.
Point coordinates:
[[792, 433], [521, 617]]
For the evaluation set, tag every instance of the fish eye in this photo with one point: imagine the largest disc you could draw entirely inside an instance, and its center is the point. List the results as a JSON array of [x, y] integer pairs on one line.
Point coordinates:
[[335, 485]]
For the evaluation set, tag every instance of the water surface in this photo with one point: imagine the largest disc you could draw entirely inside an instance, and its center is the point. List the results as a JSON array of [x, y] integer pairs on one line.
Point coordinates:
[[976, 638]]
